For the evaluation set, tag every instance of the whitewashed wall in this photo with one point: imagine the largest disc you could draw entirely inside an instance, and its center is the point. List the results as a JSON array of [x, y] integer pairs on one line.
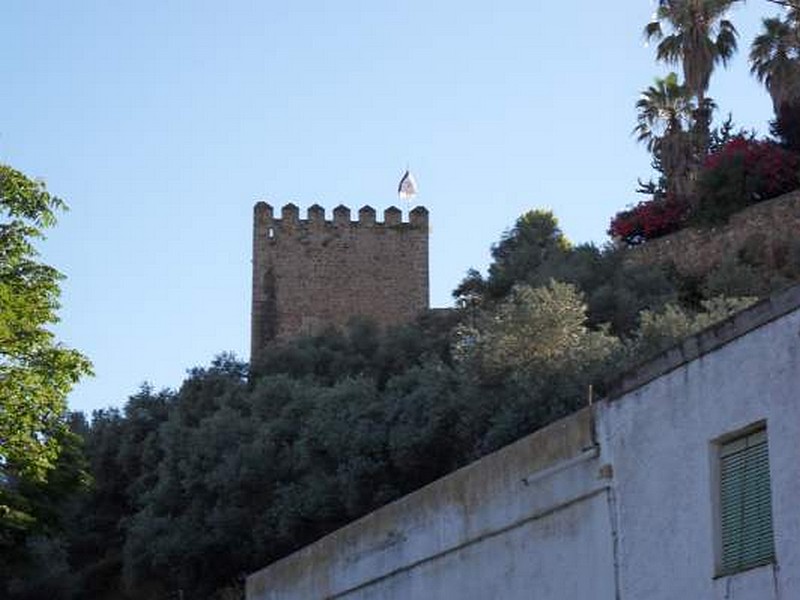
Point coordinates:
[[659, 438]]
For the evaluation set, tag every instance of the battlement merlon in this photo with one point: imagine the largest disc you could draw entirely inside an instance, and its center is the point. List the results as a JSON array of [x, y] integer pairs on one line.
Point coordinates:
[[264, 217]]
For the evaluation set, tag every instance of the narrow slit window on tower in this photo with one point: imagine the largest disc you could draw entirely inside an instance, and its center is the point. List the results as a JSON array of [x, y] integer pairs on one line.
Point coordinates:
[[271, 233], [745, 503]]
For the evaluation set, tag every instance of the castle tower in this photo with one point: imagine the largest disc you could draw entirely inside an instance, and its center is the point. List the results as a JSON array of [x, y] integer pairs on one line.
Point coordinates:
[[311, 273]]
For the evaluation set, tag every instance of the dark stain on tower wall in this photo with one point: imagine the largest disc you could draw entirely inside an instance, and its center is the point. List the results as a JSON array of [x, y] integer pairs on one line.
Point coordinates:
[[312, 273]]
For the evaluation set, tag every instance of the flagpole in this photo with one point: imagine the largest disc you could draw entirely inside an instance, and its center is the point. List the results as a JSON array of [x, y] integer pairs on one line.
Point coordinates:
[[408, 198]]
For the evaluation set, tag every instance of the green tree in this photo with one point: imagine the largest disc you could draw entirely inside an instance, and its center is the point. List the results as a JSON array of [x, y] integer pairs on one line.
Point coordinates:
[[664, 120], [36, 372], [528, 361], [661, 329], [534, 330], [533, 242], [775, 61], [535, 239], [535, 251], [34, 550], [123, 454]]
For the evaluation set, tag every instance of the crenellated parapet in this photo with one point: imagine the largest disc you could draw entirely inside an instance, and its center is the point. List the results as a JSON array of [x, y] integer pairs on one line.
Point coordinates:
[[289, 218]]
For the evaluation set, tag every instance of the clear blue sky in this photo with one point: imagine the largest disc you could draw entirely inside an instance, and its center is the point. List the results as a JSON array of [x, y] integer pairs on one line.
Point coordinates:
[[161, 123]]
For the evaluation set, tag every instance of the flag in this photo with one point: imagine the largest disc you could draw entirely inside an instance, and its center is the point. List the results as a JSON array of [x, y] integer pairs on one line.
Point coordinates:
[[408, 186]]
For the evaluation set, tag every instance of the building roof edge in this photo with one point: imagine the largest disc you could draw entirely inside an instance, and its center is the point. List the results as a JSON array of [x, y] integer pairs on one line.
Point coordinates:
[[707, 340]]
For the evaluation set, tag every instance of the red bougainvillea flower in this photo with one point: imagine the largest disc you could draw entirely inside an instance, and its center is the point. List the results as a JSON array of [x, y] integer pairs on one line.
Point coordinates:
[[649, 219], [772, 170], [766, 169]]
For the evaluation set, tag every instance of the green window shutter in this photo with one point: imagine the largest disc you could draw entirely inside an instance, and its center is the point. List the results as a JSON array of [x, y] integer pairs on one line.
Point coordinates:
[[746, 503]]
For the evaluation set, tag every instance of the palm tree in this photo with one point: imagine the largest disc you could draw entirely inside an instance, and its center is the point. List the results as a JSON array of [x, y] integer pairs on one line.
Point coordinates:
[[790, 4], [664, 121], [664, 109], [775, 59], [699, 39]]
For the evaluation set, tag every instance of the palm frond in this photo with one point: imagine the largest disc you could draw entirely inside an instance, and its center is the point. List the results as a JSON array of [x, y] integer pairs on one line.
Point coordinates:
[[653, 31], [670, 49], [774, 59], [699, 37], [725, 46]]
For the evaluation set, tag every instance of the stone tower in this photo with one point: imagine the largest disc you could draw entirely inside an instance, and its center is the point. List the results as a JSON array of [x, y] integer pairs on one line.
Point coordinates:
[[312, 273]]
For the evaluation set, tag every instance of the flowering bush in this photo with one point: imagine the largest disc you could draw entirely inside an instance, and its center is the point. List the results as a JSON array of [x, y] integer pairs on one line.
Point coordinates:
[[649, 219], [744, 171]]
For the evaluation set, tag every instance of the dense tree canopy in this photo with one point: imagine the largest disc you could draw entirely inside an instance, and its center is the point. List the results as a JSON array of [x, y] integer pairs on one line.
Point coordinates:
[[535, 251]]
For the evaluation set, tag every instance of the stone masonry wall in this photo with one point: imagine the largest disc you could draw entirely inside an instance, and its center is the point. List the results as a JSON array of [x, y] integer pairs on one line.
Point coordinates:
[[312, 273], [695, 251]]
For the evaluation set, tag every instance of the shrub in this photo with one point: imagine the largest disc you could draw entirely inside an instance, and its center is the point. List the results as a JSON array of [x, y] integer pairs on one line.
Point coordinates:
[[743, 172], [649, 219]]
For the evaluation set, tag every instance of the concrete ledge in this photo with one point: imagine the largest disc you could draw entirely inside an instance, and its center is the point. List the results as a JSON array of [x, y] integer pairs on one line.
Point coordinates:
[[707, 341]]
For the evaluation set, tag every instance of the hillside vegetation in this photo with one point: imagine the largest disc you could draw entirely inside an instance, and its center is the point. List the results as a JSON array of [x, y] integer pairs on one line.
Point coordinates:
[[181, 493], [192, 489]]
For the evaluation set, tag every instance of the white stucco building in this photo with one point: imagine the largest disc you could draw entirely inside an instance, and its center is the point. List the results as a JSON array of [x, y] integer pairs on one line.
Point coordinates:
[[684, 483]]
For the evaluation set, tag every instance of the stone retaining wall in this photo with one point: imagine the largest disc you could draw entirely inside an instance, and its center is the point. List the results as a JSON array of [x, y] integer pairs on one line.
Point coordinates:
[[765, 228]]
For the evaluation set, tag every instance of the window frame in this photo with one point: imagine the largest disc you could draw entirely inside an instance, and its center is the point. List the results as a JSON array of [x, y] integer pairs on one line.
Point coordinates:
[[716, 456]]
